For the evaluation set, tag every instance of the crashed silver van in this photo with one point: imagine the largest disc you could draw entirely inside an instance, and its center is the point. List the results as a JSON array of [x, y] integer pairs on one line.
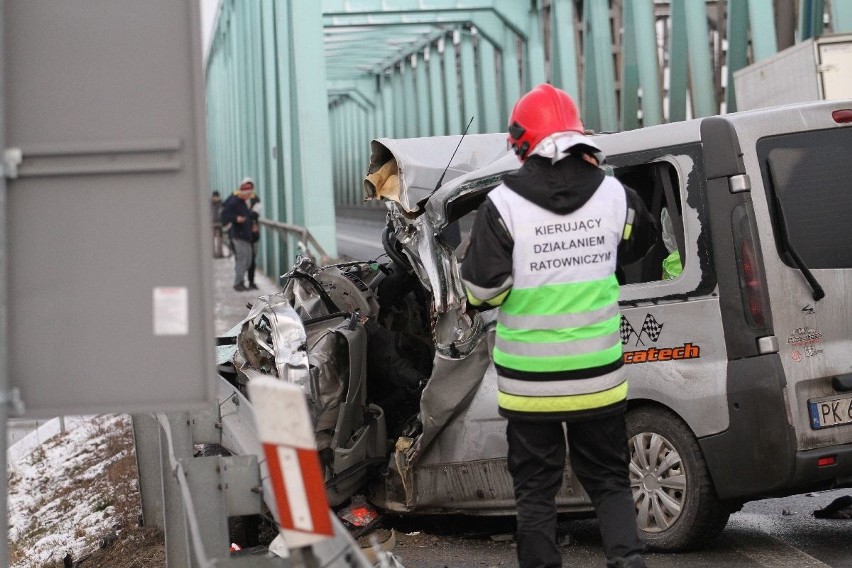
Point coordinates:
[[740, 367]]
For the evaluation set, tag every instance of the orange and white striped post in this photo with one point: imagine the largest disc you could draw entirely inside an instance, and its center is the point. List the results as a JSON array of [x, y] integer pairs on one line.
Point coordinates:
[[286, 433]]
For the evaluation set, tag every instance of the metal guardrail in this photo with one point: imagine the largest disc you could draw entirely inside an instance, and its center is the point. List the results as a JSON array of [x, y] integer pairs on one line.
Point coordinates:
[[305, 239], [191, 496]]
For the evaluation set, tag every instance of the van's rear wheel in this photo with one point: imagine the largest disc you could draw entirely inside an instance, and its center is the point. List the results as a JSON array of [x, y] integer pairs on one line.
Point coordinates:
[[676, 504]]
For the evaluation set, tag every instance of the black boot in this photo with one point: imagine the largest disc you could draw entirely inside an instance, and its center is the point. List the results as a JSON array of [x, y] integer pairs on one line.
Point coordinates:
[[632, 561]]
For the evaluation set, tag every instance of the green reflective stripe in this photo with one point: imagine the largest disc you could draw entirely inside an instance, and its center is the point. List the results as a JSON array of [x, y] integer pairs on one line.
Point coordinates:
[[499, 298], [558, 348], [562, 403], [495, 301], [628, 224], [563, 298], [472, 300], [482, 294], [558, 321], [558, 362], [562, 335]]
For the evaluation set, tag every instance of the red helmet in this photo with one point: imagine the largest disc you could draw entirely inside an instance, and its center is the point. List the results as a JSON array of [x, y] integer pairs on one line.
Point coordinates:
[[543, 111]]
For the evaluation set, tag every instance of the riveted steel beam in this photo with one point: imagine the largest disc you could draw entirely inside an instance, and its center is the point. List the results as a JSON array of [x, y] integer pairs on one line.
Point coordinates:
[[648, 66], [409, 99], [810, 18], [737, 56], [469, 83], [700, 67], [309, 119], [437, 108], [761, 15], [364, 101], [598, 107], [451, 85], [511, 12], [678, 63], [563, 62], [629, 71], [535, 51], [421, 81], [488, 102], [397, 99], [411, 48], [511, 75], [488, 23]]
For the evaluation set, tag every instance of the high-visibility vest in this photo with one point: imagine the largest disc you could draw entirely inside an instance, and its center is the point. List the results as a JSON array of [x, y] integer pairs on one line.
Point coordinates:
[[560, 322]]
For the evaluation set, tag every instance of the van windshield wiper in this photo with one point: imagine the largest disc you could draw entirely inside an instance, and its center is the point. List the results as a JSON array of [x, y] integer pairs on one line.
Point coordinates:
[[817, 291]]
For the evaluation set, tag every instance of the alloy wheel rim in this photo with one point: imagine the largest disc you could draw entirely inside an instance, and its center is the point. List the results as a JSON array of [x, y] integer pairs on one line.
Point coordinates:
[[658, 481]]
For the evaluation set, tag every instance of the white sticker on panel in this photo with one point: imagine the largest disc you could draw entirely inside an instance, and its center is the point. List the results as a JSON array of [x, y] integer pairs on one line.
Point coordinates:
[[171, 310]]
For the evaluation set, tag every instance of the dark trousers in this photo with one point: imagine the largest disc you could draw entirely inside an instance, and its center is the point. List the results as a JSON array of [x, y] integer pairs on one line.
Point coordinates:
[[599, 459], [253, 264]]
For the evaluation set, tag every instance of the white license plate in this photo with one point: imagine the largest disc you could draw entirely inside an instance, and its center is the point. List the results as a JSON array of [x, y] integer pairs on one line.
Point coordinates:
[[829, 412]]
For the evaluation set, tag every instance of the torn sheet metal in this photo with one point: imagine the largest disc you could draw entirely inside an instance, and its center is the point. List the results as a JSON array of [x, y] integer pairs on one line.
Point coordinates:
[[420, 163]]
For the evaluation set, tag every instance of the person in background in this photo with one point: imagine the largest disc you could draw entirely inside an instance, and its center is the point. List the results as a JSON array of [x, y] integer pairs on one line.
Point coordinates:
[[239, 211], [216, 212], [543, 249], [255, 239]]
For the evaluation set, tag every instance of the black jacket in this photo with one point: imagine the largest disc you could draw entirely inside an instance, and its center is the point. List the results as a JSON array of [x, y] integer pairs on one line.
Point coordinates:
[[235, 207]]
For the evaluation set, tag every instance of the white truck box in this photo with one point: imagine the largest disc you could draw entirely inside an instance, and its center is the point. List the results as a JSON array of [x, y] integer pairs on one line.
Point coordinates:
[[815, 69]]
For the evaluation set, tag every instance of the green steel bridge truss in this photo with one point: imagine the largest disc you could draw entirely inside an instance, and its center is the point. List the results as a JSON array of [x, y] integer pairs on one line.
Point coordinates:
[[296, 89]]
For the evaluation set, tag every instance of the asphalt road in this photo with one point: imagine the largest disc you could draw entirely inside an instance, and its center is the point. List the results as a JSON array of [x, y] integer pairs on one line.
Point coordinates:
[[774, 533]]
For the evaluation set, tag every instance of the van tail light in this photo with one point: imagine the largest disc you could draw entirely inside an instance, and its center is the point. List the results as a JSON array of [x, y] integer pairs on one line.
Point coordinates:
[[750, 282], [826, 461], [842, 116], [749, 268]]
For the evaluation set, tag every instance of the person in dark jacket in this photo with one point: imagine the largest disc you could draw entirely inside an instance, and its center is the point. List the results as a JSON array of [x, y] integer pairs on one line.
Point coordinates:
[[544, 248], [240, 211]]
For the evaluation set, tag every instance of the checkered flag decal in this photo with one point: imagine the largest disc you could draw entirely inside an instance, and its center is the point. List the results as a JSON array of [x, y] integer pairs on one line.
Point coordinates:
[[626, 330], [651, 327]]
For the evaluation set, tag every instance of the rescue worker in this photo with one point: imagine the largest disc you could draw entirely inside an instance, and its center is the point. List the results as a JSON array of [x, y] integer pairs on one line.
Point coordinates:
[[543, 248]]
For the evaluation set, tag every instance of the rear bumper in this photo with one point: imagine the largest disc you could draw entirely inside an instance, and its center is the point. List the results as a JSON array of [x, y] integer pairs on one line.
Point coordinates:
[[808, 474], [757, 455]]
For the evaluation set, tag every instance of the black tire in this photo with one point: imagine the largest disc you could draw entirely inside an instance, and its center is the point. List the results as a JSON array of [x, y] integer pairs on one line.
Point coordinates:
[[676, 503]]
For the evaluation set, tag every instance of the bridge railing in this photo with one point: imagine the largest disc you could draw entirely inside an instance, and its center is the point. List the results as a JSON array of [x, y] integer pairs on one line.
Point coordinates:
[[306, 241]]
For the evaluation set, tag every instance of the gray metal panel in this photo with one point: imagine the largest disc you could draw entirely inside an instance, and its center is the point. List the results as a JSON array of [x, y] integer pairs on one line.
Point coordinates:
[[109, 271], [790, 76], [835, 64]]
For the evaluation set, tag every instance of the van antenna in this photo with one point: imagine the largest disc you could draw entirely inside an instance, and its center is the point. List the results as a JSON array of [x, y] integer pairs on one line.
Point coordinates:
[[441, 179]]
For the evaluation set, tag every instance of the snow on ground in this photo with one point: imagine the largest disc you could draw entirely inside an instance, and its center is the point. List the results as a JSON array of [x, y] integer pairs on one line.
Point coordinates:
[[72, 491]]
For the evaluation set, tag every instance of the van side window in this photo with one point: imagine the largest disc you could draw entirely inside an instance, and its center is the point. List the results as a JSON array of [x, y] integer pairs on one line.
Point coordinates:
[[806, 176], [657, 185]]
